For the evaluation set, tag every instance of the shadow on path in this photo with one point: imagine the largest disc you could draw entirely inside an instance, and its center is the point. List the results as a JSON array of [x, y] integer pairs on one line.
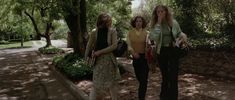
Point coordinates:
[[27, 76], [191, 86]]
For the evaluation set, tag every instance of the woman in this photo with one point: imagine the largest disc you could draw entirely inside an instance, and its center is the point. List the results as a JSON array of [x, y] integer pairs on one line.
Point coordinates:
[[165, 31], [136, 40], [102, 42]]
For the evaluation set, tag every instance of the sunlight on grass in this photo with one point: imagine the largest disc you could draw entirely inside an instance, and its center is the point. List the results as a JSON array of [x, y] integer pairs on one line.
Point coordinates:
[[27, 44]]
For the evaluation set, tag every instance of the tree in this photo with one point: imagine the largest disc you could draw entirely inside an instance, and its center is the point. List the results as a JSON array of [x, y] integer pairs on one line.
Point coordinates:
[[41, 13], [12, 22], [120, 10], [75, 17], [81, 13]]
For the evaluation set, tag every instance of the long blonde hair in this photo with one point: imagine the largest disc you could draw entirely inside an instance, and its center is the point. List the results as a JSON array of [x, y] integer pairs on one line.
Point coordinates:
[[104, 20], [155, 17]]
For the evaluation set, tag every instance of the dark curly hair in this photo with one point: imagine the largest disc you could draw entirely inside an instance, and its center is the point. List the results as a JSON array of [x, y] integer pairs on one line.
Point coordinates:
[[133, 21]]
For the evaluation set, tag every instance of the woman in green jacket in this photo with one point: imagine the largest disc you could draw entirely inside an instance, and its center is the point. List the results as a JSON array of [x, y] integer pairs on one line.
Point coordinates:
[[166, 30]]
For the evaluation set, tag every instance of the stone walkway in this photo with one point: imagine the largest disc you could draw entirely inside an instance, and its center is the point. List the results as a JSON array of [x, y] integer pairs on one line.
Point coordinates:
[[27, 76]]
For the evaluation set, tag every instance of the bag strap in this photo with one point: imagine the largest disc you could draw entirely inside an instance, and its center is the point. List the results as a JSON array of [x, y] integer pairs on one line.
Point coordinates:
[[172, 37]]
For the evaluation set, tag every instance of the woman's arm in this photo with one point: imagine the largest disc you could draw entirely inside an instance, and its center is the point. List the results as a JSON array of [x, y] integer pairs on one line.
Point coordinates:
[[129, 43], [89, 44], [176, 29]]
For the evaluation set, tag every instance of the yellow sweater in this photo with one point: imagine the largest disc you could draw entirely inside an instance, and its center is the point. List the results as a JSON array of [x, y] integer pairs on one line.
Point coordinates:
[[136, 40]]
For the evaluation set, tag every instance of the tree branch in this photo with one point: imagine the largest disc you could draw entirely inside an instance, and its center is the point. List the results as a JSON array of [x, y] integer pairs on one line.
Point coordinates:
[[34, 23]]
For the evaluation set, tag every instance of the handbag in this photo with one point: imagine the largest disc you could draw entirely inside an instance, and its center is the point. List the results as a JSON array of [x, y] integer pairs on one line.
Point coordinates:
[[181, 48], [149, 50], [121, 48]]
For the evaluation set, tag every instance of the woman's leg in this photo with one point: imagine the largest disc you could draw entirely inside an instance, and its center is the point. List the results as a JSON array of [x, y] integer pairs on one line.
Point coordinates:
[[141, 72], [163, 65], [96, 94], [173, 79], [114, 91]]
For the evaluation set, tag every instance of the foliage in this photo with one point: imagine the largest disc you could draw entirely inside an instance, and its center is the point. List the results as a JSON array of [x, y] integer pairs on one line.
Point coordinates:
[[120, 10], [27, 44], [61, 30], [73, 67], [50, 50], [205, 16], [204, 21], [214, 42], [187, 16], [42, 14], [4, 42], [12, 23]]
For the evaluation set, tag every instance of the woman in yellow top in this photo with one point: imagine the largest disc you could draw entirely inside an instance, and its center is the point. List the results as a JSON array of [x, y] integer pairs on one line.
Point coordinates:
[[136, 40], [102, 42]]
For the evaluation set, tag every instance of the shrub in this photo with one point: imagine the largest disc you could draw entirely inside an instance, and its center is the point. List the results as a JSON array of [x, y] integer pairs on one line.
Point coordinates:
[[4, 42], [50, 50], [221, 42], [73, 67]]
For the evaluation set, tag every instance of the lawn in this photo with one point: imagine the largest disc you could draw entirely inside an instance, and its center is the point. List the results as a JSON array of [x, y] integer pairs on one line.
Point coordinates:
[[27, 44]]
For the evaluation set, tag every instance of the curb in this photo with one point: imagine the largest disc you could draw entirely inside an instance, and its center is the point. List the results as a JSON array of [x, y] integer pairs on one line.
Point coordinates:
[[78, 94], [72, 88], [127, 64]]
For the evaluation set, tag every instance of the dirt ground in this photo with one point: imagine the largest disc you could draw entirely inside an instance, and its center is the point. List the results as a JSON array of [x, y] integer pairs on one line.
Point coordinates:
[[191, 87]]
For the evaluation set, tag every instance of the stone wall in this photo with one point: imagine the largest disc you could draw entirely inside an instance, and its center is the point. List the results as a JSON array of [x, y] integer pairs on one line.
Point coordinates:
[[218, 63]]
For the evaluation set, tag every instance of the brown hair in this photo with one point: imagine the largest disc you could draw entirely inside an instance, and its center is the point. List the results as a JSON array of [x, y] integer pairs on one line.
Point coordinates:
[[155, 17], [133, 21], [104, 20]]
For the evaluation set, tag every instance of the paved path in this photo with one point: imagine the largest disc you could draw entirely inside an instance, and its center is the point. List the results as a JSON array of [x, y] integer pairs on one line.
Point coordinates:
[[26, 76], [35, 46], [56, 43], [191, 86]]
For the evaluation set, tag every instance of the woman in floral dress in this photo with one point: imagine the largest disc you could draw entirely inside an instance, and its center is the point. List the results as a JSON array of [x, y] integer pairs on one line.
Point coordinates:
[[102, 41]]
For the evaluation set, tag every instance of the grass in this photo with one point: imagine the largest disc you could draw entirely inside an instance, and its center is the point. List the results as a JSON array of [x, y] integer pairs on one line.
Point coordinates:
[[27, 44]]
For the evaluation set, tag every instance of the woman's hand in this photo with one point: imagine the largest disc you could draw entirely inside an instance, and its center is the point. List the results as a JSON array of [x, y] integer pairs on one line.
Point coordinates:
[[135, 55], [96, 53], [183, 40], [160, 18]]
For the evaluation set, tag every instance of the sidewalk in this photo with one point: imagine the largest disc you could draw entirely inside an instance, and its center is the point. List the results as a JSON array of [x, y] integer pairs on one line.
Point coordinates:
[[191, 86], [27, 76]]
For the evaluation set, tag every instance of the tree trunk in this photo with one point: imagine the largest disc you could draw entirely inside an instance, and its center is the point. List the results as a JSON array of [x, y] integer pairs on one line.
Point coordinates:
[[22, 41], [38, 33], [69, 40], [76, 21], [83, 36], [73, 22], [47, 34], [48, 40], [37, 37]]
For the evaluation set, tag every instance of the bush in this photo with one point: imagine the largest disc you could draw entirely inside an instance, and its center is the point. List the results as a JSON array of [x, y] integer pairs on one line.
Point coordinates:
[[73, 67], [50, 50], [221, 42], [4, 42]]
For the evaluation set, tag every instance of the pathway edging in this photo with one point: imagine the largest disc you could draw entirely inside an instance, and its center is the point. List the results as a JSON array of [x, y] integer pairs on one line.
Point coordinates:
[[78, 94]]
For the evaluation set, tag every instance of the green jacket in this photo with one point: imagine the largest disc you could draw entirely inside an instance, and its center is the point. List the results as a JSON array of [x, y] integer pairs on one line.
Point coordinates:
[[156, 34]]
